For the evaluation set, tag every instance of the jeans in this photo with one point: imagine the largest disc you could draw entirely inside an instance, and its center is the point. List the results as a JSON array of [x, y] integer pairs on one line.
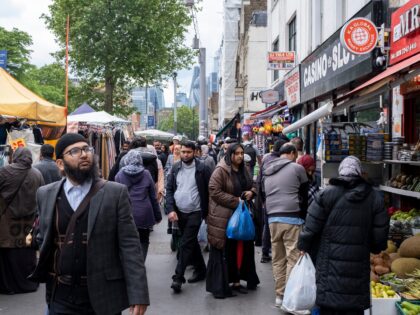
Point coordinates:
[[284, 238], [144, 235], [189, 249]]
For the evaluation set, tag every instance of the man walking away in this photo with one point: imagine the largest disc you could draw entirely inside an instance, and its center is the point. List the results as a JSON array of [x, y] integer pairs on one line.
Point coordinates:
[[90, 253], [286, 195], [47, 166], [252, 151], [187, 202], [298, 143], [346, 222]]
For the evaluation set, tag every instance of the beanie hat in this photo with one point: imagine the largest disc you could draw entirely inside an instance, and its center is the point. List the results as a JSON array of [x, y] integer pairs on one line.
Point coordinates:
[[350, 167], [306, 161], [67, 140]]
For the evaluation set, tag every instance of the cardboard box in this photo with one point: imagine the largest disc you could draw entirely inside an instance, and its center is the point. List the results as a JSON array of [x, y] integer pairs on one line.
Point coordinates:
[[382, 306]]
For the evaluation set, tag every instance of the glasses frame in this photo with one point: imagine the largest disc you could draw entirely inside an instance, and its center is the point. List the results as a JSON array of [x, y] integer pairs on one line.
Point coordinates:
[[86, 149]]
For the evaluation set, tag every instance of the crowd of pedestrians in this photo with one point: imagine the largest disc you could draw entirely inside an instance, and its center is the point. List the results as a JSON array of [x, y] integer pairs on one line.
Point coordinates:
[[93, 234]]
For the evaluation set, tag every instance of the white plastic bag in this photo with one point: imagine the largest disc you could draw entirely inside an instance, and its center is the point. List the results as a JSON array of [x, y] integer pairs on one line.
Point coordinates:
[[300, 293], [202, 233]]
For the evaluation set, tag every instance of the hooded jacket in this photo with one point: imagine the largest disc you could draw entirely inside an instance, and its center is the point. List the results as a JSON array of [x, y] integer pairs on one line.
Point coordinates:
[[141, 188], [346, 222], [18, 185], [285, 185]]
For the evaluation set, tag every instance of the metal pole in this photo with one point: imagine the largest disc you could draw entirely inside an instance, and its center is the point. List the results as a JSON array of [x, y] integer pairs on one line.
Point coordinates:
[[147, 110], [175, 105], [203, 93]]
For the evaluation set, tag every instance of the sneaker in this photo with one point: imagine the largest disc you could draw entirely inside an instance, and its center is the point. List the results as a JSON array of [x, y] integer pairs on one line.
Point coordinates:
[[279, 302], [265, 259]]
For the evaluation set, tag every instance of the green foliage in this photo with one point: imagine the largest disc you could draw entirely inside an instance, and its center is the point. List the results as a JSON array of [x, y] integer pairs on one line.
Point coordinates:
[[122, 42], [16, 43], [187, 122]]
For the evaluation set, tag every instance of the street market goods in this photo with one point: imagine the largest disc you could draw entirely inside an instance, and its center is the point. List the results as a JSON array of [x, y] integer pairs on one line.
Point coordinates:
[[404, 266], [410, 308], [379, 290], [410, 247]]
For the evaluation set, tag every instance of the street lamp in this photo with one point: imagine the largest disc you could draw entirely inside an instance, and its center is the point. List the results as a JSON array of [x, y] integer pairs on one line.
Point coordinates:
[[175, 105]]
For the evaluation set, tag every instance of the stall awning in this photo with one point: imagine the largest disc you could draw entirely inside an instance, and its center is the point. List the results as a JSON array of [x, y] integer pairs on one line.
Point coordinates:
[[390, 76], [228, 125], [269, 111], [310, 118]]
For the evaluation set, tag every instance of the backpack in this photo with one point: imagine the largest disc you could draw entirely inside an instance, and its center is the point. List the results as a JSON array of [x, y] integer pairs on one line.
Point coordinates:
[[249, 149], [152, 167]]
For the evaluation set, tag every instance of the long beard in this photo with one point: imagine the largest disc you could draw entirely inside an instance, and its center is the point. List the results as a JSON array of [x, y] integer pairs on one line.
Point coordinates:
[[81, 176]]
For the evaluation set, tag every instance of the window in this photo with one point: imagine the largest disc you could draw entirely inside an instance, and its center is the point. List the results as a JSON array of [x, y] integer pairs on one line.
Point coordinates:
[[275, 47], [292, 34]]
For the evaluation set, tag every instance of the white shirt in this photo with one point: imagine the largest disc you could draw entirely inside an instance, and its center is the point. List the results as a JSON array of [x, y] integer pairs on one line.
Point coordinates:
[[76, 194]]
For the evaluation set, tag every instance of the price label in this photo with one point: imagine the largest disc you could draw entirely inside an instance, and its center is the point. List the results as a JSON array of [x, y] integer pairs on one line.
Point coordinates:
[[17, 143]]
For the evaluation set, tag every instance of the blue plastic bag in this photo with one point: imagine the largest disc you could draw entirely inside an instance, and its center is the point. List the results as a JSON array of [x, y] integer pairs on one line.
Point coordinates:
[[240, 226]]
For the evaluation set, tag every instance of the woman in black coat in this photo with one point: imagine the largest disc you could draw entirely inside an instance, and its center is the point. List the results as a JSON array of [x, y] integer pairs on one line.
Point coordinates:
[[346, 222]]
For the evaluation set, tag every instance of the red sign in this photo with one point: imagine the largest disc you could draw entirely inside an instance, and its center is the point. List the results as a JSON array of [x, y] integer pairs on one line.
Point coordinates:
[[292, 87], [405, 28], [359, 36], [281, 60]]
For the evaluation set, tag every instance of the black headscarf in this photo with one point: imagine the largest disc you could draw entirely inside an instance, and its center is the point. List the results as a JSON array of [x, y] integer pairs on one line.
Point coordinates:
[[244, 179]]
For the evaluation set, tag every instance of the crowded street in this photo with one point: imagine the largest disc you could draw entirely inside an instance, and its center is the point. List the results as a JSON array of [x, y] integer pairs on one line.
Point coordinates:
[[206, 157], [194, 300]]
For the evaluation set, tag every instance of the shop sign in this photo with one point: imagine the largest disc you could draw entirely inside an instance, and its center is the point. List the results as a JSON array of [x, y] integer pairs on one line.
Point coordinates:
[[405, 28], [150, 121], [292, 87], [3, 59], [410, 86], [17, 143], [332, 66], [281, 60], [269, 96], [359, 36]]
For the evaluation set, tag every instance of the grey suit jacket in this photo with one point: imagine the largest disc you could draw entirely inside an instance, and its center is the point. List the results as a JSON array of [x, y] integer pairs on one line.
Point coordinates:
[[116, 274]]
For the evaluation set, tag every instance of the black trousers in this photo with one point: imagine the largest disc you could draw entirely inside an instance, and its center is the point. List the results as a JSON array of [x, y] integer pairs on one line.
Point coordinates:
[[266, 237], [144, 235], [189, 249], [328, 311]]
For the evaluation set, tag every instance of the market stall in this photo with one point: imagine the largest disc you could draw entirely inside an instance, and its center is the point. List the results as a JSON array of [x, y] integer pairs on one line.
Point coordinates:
[[105, 132], [26, 119]]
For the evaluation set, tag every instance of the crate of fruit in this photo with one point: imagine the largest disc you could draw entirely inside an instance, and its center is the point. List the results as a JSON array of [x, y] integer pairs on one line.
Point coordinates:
[[408, 308]]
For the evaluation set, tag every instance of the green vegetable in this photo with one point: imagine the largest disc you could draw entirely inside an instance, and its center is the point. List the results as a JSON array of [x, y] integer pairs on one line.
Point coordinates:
[[413, 308]]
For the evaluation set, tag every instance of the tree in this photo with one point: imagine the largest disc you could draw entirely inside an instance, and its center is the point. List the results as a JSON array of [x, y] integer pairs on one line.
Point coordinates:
[[16, 43], [122, 42], [187, 122]]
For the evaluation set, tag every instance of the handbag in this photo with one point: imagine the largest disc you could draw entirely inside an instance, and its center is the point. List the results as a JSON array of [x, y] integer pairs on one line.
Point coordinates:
[[240, 226]]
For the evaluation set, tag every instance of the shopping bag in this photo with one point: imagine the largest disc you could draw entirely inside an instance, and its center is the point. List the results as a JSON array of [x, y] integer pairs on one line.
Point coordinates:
[[300, 293], [202, 233], [240, 226]]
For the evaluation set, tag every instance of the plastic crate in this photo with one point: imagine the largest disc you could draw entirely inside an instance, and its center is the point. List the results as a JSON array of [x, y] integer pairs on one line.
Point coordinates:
[[382, 306], [399, 308]]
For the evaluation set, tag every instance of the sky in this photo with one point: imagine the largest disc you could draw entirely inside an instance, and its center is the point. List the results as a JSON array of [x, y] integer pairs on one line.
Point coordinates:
[[25, 15]]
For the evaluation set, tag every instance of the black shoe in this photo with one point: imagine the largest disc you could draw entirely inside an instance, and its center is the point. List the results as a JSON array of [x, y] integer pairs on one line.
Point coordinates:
[[176, 286], [265, 259], [196, 277], [240, 289]]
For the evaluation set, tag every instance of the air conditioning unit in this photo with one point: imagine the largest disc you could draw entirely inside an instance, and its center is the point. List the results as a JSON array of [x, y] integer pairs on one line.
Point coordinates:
[[189, 3]]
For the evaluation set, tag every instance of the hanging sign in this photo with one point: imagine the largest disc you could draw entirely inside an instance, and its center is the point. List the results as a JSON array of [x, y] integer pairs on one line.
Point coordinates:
[[281, 60], [292, 87], [405, 28], [269, 96], [17, 143], [359, 36]]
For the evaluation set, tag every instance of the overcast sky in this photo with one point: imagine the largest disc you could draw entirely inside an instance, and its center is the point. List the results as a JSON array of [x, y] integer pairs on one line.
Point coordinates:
[[25, 15]]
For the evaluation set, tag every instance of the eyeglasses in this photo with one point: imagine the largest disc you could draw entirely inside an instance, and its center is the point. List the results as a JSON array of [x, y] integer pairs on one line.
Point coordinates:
[[77, 152]]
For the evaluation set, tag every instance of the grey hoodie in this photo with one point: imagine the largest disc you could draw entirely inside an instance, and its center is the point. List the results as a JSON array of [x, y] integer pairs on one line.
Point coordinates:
[[283, 180]]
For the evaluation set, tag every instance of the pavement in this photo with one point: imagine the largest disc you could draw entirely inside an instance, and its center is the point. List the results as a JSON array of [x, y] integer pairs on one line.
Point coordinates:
[[192, 300]]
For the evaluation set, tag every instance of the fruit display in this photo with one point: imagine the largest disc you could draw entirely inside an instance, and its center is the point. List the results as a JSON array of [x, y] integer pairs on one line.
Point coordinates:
[[406, 182], [379, 290], [403, 266], [409, 308], [403, 222], [410, 247], [379, 265]]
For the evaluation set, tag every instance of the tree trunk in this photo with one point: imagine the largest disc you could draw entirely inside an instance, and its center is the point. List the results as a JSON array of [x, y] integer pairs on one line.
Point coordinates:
[[109, 93]]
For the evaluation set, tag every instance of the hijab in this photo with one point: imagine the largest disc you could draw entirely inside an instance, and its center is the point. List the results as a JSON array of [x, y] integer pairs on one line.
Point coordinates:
[[22, 159], [132, 163], [350, 167]]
